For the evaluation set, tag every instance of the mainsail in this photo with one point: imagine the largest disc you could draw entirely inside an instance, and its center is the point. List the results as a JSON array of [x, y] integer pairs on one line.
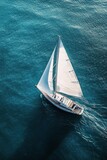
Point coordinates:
[[66, 80], [46, 82]]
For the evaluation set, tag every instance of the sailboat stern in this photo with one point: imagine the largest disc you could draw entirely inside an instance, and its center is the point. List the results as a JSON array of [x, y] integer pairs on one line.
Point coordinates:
[[77, 109]]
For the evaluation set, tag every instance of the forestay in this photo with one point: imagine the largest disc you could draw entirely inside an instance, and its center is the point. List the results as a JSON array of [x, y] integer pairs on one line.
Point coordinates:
[[66, 80]]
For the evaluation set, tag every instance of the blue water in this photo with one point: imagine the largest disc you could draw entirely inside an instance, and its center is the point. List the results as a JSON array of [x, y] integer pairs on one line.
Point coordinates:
[[31, 128]]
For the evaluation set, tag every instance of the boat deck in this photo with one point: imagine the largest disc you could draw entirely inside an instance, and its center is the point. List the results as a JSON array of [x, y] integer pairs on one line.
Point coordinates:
[[64, 100], [64, 103]]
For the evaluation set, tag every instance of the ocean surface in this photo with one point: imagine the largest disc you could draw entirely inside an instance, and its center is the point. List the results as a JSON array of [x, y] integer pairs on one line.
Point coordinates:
[[30, 127]]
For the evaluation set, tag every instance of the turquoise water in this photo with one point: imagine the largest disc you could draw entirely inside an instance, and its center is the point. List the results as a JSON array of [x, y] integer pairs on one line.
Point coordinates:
[[31, 128]]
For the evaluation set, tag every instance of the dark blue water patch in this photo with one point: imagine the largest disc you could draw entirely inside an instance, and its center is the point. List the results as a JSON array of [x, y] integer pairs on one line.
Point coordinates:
[[49, 134]]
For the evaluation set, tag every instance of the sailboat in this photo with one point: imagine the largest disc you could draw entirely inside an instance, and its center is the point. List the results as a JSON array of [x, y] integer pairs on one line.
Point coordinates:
[[59, 82]]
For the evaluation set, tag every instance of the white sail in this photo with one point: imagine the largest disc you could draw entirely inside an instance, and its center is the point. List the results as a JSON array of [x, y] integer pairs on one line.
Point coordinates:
[[66, 80], [50, 76], [46, 82]]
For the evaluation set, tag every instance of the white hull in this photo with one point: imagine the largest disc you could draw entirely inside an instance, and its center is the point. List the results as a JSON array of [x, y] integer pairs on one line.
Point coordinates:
[[62, 106]]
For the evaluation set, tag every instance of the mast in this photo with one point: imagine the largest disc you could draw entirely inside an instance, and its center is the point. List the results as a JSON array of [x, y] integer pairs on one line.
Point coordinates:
[[55, 67]]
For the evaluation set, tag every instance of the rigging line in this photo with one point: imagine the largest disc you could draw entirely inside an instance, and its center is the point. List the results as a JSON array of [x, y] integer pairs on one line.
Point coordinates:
[[54, 65], [54, 77]]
